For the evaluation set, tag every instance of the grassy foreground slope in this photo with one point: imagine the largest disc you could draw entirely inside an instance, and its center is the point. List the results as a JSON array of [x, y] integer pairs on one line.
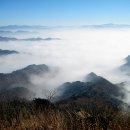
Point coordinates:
[[40, 114]]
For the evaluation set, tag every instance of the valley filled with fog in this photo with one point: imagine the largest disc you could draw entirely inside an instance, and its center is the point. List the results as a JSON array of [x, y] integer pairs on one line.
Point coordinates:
[[70, 52]]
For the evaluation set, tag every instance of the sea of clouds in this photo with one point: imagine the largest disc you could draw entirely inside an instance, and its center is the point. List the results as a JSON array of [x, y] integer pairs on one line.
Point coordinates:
[[78, 52]]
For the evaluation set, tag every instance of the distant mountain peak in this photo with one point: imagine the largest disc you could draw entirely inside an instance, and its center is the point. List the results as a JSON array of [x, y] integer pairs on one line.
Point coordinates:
[[92, 77], [33, 69], [94, 87], [92, 74]]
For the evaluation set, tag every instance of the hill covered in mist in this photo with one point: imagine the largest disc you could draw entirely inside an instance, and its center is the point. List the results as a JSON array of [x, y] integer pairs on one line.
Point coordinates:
[[18, 84]]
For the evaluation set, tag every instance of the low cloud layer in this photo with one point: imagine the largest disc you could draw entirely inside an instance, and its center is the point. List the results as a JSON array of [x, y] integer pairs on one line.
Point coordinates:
[[79, 52]]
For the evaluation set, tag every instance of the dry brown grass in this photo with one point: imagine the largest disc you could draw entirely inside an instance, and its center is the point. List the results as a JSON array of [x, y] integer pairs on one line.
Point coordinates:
[[26, 116]]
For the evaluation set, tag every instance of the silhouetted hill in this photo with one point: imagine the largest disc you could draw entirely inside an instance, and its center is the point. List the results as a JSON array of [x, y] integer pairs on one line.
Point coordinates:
[[7, 39], [32, 70], [7, 52], [40, 39], [95, 87], [107, 25], [2, 39], [5, 32], [20, 78], [35, 27]]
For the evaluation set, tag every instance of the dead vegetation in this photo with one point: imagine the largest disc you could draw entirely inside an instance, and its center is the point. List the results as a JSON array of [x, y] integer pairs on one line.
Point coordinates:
[[40, 114]]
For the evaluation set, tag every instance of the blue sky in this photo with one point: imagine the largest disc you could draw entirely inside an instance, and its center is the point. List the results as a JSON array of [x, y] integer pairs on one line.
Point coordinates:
[[64, 12]]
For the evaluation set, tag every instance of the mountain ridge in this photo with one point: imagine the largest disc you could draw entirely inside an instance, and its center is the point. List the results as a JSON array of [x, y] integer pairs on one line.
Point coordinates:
[[107, 25], [21, 79], [2, 39], [102, 90], [7, 52]]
